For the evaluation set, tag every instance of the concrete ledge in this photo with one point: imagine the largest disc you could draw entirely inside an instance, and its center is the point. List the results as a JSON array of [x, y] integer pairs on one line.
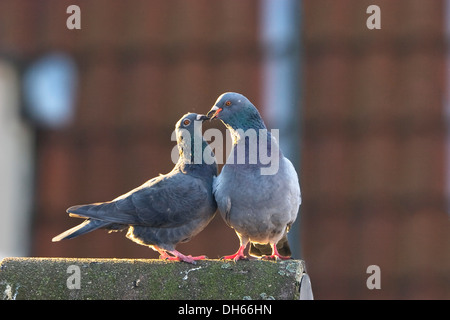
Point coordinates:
[[84, 279]]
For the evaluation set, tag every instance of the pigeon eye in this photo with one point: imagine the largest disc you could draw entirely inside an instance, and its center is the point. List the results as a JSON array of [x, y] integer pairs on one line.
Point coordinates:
[[186, 122], [228, 103]]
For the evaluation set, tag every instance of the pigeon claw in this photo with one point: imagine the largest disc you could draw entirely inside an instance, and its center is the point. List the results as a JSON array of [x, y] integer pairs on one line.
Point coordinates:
[[275, 257], [178, 256], [239, 255], [235, 257], [275, 254]]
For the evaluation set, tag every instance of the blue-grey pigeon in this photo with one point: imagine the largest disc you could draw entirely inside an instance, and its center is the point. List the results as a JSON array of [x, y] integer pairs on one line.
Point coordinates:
[[258, 199], [167, 209]]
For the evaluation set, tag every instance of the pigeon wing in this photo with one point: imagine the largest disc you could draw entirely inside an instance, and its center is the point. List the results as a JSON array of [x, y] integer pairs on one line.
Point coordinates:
[[164, 202]]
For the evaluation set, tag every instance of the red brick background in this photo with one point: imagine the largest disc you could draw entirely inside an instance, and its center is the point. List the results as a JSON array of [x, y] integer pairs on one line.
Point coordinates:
[[373, 154], [373, 135]]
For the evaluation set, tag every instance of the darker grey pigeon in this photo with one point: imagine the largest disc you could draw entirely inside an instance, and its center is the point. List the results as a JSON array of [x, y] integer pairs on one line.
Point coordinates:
[[258, 199], [167, 209]]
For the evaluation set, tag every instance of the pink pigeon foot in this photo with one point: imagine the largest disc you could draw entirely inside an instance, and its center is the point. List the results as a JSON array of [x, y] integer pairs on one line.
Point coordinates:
[[239, 255], [178, 256], [275, 254]]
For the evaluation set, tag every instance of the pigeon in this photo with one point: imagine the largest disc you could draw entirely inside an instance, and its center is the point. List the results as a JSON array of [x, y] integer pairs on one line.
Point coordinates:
[[167, 209], [259, 206]]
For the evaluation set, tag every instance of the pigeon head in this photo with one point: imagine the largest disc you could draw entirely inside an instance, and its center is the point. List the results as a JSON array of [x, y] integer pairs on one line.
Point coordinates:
[[236, 111], [189, 128], [190, 142], [191, 122]]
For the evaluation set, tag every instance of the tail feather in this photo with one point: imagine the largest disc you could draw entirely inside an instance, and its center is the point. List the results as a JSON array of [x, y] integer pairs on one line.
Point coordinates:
[[87, 226], [94, 210]]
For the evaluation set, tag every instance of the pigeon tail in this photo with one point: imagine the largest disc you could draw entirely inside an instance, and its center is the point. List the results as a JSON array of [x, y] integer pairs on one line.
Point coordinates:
[[84, 227]]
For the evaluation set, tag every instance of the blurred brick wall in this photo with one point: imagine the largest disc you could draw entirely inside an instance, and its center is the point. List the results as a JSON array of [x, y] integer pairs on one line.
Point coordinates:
[[373, 135], [373, 153]]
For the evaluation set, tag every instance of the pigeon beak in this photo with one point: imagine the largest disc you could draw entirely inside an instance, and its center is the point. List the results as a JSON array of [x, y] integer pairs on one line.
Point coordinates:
[[213, 113], [202, 117]]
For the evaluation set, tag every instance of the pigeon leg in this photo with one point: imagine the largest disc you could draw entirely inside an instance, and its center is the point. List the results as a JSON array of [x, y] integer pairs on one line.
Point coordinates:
[[181, 257], [239, 255], [275, 255], [163, 254], [177, 256]]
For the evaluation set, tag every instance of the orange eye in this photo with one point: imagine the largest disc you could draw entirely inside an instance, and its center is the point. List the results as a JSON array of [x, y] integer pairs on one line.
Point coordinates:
[[186, 122], [228, 103]]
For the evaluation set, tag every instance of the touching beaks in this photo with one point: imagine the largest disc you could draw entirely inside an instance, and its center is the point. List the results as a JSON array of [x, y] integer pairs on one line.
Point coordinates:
[[213, 112], [202, 117]]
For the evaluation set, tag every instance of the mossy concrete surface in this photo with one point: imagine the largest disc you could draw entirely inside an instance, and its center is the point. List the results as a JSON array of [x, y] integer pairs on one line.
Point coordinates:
[[106, 279]]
